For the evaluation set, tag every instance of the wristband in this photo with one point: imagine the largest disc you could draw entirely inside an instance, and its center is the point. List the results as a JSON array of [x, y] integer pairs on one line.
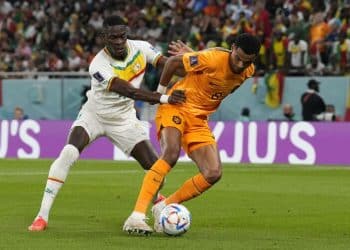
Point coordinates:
[[164, 99], [161, 89]]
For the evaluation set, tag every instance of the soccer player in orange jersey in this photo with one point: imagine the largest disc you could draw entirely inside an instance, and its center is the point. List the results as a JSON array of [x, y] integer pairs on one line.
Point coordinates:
[[211, 75]]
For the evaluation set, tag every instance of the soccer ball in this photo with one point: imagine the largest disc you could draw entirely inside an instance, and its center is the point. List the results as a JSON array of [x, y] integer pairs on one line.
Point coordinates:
[[175, 219]]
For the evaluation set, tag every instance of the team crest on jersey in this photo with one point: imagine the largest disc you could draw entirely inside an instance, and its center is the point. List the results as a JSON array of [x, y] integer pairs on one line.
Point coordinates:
[[136, 68], [98, 77], [193, 60], [176, 119]]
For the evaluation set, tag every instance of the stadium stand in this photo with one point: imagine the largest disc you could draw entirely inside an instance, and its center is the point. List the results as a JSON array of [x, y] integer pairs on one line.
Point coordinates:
[[30, 41], [300, 38]]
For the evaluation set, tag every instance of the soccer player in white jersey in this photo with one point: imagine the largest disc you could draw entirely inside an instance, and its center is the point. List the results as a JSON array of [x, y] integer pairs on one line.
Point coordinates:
[[116, 74]]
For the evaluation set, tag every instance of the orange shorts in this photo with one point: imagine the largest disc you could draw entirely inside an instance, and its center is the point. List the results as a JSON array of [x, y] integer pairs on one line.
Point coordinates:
[[195, 131]]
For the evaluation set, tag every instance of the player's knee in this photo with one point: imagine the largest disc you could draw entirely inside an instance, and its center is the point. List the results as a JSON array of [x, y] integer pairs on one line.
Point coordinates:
[[69, 154], [60, 167], [171, 154], [213, 175]]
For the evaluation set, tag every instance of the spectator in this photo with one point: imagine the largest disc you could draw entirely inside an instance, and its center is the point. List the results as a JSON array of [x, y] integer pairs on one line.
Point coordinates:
[[74, 60], [96, 20], [297, 50], [245, 115], [319, 30], [298, 25], [177, 31], [262, 60], [262, 20], [18, 114], [340, 55], [26, 30], [212, 9], [288, 112], [234, 8], [5, 7], [312, 103], [329, 114], [278, 51]]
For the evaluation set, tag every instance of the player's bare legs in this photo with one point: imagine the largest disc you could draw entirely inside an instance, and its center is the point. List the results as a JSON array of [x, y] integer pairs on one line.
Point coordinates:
[[208, 161], [58, 172], [145, 154], [170, 142]]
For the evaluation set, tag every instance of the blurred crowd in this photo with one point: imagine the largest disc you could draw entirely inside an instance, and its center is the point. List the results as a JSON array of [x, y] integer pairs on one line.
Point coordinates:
[[300, 37]]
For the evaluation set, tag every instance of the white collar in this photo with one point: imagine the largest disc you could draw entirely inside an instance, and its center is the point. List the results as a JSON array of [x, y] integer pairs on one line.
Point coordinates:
[[311, 91]]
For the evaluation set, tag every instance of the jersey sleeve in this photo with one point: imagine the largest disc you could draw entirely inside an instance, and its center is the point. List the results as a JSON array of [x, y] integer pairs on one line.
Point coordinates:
[[152, 54], [101, 71], [197, 61]]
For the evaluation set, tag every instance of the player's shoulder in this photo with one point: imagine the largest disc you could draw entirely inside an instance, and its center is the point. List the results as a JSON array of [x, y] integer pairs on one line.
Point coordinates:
[[214, 54], [100, 58], [137, 42], [218, 51], [210, 56], [143, 46], [140, 44]]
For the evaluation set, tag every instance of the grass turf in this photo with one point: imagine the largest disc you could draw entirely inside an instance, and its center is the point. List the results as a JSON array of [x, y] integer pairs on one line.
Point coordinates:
[[252, 207]]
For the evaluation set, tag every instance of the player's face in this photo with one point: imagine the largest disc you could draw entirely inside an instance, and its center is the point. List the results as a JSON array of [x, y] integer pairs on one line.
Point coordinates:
[[239, 60], [115, 41]]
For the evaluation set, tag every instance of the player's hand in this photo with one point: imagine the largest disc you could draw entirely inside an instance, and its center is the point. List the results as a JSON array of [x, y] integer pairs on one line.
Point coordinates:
[[177, 97], [178, 48]]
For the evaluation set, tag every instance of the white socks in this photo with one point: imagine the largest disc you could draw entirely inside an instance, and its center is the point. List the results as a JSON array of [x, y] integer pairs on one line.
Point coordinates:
[[138, 215], [57, 175]]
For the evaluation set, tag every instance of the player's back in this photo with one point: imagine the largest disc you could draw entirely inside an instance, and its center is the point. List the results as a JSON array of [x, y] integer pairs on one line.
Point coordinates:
[[209, 80]]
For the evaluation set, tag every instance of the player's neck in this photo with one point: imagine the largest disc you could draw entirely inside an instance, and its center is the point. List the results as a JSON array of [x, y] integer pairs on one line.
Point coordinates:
[[121, 57]]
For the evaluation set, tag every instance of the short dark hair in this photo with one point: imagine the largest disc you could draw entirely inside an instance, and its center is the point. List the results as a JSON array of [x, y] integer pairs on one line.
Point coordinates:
[[245, 111], [113, 20], [248, 43], [312, 83]]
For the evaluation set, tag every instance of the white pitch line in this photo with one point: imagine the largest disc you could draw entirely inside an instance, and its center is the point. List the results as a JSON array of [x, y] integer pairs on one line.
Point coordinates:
[[80, 172], [87, 172]]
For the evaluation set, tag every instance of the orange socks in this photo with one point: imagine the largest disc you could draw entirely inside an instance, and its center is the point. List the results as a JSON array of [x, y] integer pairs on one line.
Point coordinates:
[[151, 183], [190, 189], [153, 179]]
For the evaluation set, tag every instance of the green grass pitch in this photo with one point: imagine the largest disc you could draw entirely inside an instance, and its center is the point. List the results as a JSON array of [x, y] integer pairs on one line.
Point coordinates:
[[252, 207]]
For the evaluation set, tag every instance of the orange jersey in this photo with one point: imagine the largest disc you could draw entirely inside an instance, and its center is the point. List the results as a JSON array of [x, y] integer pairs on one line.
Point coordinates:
[[208, 81], [319, 32]]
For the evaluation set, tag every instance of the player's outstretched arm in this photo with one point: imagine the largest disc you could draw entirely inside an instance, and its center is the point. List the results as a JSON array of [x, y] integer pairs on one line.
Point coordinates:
[[172, 65], [124, 88], [175, 49]]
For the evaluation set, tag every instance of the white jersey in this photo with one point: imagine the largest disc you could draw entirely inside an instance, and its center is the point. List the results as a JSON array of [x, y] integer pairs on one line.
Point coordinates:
[[296, 52], [103, 68]]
